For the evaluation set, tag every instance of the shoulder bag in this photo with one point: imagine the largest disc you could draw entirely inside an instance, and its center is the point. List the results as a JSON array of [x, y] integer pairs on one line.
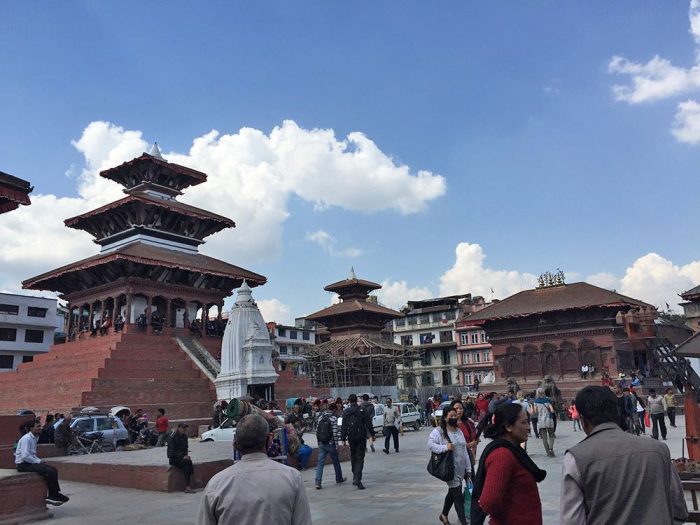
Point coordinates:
[[442, 466]]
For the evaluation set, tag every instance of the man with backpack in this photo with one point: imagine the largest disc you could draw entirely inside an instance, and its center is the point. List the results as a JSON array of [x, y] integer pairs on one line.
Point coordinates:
[[328, 435], [357, 424]]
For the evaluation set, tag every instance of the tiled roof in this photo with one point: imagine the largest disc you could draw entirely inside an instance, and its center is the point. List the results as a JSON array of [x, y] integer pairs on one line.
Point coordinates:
[[350, 306], [690, 347], [346, 283], [554, 298], [147, 254], [149, 199], [196, 177], [13, 192], [691, 292]]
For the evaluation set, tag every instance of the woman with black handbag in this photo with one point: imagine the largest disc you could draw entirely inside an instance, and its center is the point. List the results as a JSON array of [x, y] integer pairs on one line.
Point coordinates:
[[445, 441]]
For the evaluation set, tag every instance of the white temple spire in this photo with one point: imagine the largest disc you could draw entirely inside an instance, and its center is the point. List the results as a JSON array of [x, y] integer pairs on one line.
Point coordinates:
[[352, 273], [155, 151]]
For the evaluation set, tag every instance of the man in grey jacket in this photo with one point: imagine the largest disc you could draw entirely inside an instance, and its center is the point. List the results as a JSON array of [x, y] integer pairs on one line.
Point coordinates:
[[256, 490], [615, 477]]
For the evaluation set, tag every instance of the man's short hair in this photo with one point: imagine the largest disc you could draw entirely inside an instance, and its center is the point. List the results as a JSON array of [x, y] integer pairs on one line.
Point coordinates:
[[365, 397], [352, 398], [652, 391], [597, 405], [251, 434], [161, 410]]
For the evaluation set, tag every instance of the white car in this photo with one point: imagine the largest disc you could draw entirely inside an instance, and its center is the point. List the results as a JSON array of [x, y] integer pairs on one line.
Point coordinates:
[[439, 410], [225, 432], [377, 419], [410, 417]]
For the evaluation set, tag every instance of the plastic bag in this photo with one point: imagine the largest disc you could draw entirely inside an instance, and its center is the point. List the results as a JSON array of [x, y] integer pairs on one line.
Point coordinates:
[[468, 497], [647, 421]]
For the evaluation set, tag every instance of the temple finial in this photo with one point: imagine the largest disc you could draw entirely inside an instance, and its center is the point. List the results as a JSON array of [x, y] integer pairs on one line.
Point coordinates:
[[155, 151], [352, 273]]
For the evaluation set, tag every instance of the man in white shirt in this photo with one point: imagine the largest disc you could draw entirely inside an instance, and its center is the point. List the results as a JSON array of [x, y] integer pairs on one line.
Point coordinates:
[[255, 490], [27, 461]]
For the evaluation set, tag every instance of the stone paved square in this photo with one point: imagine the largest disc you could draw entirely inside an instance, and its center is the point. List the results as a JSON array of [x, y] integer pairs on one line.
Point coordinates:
[[399, 490]]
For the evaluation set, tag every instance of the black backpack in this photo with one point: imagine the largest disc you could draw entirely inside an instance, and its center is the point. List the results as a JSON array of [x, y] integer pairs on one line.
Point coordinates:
[[324, 429], [357, 429]]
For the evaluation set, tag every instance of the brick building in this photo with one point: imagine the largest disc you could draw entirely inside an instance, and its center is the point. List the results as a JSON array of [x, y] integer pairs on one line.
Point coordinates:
[[555, 329]]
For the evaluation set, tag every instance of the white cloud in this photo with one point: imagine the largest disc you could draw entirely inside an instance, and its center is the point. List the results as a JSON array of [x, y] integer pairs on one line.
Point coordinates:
[[604, 280], [251, 179], [326, 241], [686, 123], [397, 293], [658, 281], [469, 275], [275, 310]]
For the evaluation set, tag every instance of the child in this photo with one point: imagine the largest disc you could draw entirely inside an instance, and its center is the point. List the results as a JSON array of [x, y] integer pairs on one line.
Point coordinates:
[[573, 412]]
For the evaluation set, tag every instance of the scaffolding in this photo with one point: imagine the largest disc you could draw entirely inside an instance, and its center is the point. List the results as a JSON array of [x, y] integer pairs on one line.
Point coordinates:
[[356, 361]]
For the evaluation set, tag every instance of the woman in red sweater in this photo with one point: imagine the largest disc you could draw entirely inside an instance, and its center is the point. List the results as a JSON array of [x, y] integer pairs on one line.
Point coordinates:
[[505, 487]]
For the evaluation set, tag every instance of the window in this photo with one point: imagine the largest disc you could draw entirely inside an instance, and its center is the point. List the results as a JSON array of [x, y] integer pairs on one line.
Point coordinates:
[[34, 336], [104, 423], [466, 358], [281, 332], [6, 361], [485, 356], [477, 358], [292, 334], [407, 340], [468, 378], [475, 338], [427, 339], [450, 315], [34, 311], [425, 358], [400, 322], [445, 357], [283, 349], [27, 358], [483, 337], [464, 338], [446, 336], [423, 319], [446, 377], [305, 336], [438, 318], [85, 425], [412, 320], [8, 334], [427, 379], [9, 309]]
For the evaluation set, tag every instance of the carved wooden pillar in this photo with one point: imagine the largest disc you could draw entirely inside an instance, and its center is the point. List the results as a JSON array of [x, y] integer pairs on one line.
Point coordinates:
[[70, 321], [127, 317], [149, 300], [168, 307], [90, 316]]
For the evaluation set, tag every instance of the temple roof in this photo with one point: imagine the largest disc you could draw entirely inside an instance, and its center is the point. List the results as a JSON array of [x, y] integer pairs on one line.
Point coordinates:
[[171, 204], [554, 298], [148, 168], [347, 307], [345, 284], [690, 347], [693, 293], [348, 347], [147, 255], [13, 192]]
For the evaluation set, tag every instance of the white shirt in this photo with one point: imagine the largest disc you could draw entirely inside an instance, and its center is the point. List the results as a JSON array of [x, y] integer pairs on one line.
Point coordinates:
[[26, 449]]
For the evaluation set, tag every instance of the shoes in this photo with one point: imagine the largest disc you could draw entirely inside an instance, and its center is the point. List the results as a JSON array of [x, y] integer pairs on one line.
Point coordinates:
[[188, 490], [318, 486], [360, 485], [443, 519], [372, 447], [342, 480], [354, 482], [385, 450], [664, 438], [58, 498], [397, 451]]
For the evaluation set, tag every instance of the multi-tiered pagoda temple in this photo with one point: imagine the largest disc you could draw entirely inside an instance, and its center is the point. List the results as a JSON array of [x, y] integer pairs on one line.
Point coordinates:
[[149, 260], [146, 288], [358, 353]]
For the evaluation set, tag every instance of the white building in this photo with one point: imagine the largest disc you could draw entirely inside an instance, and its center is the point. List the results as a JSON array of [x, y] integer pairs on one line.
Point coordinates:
[[430, 326], [27, 326], [290, 341]]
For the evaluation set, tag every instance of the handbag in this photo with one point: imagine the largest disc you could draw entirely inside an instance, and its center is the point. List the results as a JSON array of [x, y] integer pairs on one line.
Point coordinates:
[[468, 497], [442, 466]]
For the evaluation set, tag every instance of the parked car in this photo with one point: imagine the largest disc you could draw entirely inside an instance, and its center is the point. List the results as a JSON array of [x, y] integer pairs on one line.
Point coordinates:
[[225, 432], [439, 410], [377, 419], [410, 417], [112, 429]]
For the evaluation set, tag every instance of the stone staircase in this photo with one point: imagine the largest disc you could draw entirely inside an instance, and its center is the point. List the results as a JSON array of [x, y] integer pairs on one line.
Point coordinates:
[[200, 356], [134, 369]]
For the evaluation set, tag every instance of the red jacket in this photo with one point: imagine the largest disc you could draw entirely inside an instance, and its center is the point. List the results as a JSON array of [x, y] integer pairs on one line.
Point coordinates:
[[162, 424], [510, 495]]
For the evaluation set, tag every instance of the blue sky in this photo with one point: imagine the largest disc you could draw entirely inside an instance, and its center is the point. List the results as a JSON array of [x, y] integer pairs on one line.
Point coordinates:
[[513, 104]]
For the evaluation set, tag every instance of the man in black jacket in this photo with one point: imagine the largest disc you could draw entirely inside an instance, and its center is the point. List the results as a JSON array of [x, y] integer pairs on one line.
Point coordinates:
[[357, 424], [178, 455]]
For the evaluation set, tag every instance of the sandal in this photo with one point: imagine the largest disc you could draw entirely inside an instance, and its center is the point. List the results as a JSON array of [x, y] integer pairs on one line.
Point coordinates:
[[444, 519]]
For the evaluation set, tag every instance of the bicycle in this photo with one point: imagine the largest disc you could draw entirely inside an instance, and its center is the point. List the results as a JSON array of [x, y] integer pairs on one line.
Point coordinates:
[[90, 444]]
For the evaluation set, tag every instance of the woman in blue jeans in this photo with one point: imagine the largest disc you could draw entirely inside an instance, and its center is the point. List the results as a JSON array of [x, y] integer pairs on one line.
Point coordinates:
[[329, 447]]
